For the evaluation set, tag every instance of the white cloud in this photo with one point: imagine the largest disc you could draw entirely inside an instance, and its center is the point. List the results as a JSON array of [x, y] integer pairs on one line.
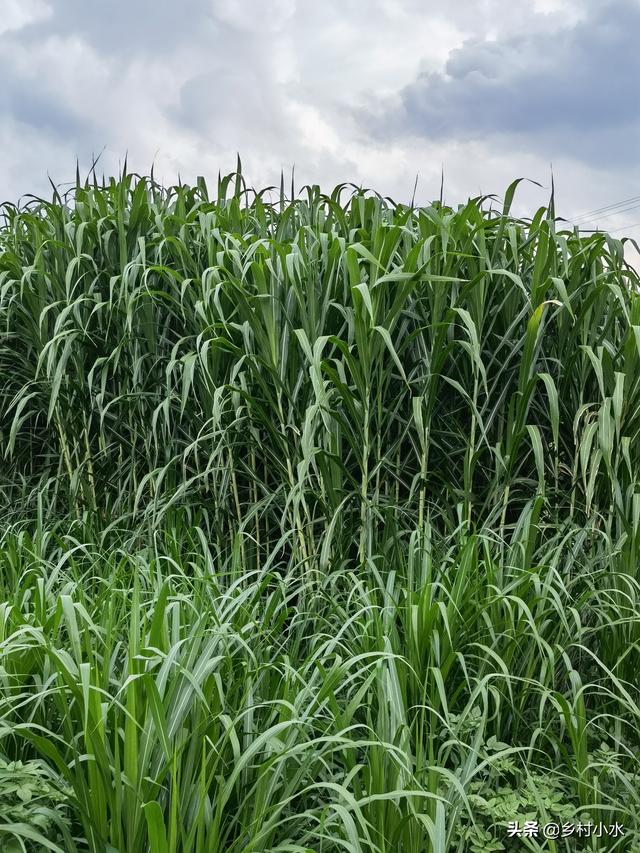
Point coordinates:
[[16, 14], [265, 17]]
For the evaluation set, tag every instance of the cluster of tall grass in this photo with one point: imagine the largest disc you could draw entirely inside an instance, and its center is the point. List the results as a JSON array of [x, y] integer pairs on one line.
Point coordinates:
[[320, 523]]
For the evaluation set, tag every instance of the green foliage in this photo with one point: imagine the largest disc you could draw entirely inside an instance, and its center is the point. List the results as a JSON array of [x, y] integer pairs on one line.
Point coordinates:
[[508, 792], [320, 522], [33, 808]]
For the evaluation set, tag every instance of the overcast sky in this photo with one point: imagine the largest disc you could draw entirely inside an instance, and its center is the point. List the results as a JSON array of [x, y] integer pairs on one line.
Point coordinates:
[[369, 91]]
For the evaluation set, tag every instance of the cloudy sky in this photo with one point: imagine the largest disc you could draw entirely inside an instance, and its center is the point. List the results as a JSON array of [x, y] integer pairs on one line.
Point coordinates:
[[370, 91]]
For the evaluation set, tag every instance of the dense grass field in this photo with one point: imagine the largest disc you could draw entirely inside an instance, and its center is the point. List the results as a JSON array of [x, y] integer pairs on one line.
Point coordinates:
[[319, 524]]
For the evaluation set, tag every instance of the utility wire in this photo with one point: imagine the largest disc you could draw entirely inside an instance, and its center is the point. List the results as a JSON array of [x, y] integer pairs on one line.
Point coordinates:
[[606, 208], [628, 227], [606, 215], [625, 227]]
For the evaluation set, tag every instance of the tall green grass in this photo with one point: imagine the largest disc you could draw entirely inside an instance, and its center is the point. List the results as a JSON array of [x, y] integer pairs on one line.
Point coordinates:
[[321, 523]]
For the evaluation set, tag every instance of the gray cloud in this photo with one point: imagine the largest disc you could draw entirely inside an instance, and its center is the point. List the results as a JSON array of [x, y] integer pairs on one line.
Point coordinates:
[[28, 106], [226, 102], [552, 88], [488, 89], [120, 27]]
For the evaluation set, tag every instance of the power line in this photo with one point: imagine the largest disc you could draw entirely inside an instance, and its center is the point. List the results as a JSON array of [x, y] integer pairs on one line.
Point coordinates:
[[625, 227], [628, 227], [606, 207], [606, 215]]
